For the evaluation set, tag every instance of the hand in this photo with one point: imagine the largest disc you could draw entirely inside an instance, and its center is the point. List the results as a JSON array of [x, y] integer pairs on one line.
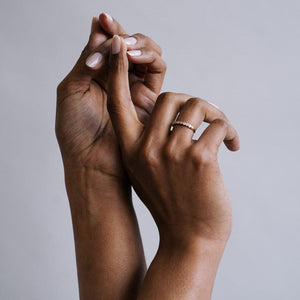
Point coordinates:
[[110, 266], [83, 126], [176, 177]]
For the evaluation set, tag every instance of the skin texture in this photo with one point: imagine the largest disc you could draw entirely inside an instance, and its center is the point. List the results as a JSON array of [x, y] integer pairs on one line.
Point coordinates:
[[109, 252], [179, 181]]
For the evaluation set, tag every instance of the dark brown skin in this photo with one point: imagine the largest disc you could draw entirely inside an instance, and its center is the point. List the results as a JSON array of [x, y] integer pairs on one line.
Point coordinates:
[[178, 179], [109, 252], [83, 126]]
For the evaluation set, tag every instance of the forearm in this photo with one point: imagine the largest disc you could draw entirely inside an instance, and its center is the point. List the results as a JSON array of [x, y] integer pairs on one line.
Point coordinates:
[[183, 271], [109, 252]]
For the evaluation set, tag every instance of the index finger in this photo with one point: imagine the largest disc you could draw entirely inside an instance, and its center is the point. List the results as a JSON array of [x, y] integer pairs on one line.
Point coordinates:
[[120, 106]]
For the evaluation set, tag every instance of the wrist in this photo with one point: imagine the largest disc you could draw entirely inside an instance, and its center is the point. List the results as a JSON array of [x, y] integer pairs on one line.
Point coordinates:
[[93, 179], [193, 247], [214, 231], [183, 269], [94, 192]]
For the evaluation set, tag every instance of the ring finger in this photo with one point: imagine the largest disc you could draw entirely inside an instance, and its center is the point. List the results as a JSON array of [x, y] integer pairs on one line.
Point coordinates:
[[193, 113]]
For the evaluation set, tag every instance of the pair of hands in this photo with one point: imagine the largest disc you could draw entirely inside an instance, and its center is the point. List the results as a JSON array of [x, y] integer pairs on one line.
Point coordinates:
[[112, 125], [83, 126], [176, 177]]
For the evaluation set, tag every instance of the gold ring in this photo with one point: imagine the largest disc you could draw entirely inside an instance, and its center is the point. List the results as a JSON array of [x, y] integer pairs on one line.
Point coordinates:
[[186, 124]]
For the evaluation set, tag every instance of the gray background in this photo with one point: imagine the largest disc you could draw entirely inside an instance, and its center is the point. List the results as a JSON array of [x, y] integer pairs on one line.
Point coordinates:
[[241, 55]]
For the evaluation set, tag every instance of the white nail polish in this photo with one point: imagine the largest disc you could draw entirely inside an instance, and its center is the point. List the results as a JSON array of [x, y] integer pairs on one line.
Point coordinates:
[[134, 52], [130, 41], [214, 105], [94, 59], [108, 17], [116, 45]]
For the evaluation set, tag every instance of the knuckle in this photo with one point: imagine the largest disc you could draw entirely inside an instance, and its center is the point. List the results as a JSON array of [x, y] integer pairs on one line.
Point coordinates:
[[148, 156], [202, 156], [140, 35], [152, 54], [163, 66], [195, 104], [160, 64], [171, 153], [155, 47], [165, 97], [221, 123], [159, 50], [222, 116], [218, 112]]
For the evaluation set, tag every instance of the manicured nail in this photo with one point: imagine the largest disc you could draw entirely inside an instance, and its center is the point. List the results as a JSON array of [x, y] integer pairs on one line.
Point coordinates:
[[214, 105], [94, 59], [116, 45], [130, 41], [108, 17], [134, 52]]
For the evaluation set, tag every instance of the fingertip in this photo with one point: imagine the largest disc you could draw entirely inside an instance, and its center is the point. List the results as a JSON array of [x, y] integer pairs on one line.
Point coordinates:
[[96, 27], [110, 25], [118, 61], [94, 61], [130, 41], [116, 45], [95, 21], [134, 53], [108, 17], [97, 36], [233, 145], [105, 19]]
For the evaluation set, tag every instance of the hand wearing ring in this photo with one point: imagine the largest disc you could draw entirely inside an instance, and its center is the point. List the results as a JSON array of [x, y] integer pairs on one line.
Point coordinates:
[[166, 169], [104, 109], [177, 178]]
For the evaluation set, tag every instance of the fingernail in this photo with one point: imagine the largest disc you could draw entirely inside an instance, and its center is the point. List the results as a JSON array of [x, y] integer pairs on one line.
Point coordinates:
[[108, 17], [134, 52], [116, 45], [130, 41], [214, 105], [94, 59]]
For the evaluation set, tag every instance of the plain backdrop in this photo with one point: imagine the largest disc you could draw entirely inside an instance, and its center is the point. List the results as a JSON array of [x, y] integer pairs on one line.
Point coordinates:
[[241, 55]]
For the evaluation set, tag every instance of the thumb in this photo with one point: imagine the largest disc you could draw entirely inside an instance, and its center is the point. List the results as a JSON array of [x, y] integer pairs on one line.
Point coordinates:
[[119, 104]]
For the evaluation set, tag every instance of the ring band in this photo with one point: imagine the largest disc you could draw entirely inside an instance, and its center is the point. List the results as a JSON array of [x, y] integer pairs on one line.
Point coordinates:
[[186, 124]]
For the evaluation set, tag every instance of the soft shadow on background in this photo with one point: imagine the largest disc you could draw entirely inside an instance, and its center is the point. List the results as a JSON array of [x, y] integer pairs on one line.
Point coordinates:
[[241, 55]]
